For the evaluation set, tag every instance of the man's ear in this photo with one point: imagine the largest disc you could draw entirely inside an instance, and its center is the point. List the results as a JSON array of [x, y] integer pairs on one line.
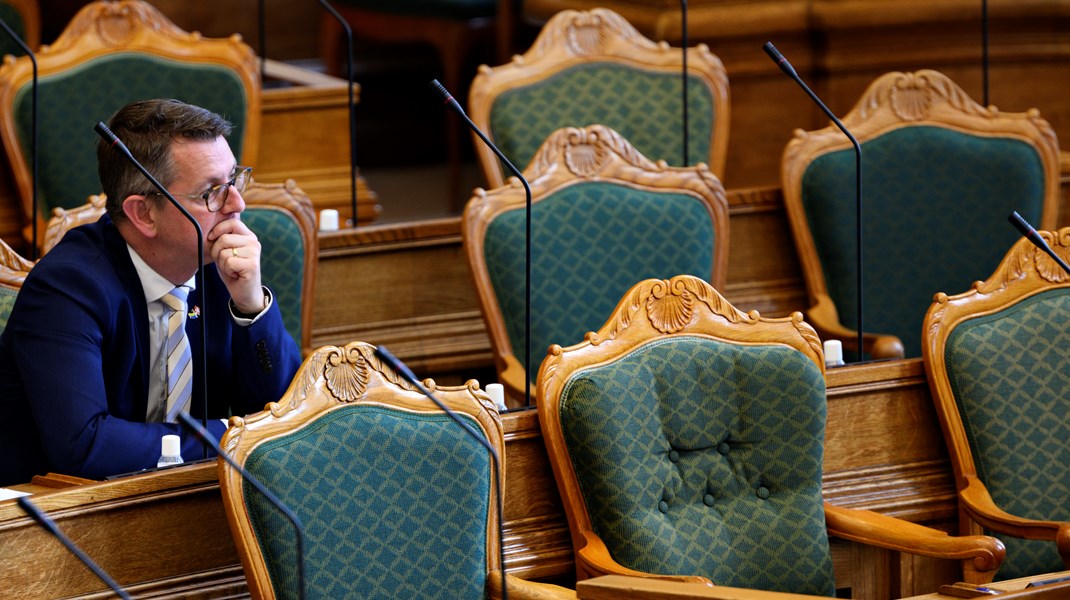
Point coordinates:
[[142, 213]]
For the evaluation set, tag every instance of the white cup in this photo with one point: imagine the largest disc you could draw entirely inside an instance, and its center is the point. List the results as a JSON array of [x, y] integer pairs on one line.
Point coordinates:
[[833, 353], [496, 391], [328, 219]]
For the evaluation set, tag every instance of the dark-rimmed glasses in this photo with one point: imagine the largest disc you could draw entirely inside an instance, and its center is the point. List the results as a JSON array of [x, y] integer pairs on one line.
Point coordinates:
[[216, 196]]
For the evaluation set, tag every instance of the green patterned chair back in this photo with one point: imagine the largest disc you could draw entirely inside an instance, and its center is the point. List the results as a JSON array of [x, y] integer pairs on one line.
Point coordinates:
[[590, 243], [593, 67], [7, 302], [396, 499], [113, 53], [282, 217], [603, 218], [1008, 374], [689, 439], [935, 206], [996, 357], [937, 187]]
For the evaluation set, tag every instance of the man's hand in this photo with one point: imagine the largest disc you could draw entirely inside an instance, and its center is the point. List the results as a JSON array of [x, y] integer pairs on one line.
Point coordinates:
[[236, 253]]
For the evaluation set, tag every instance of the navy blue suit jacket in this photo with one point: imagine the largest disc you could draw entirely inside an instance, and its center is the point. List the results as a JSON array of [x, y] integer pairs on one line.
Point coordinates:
[[74, 364]]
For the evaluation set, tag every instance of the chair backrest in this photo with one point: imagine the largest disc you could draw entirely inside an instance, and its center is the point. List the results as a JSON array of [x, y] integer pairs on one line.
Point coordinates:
[[110, 54], [24, 18], [593, 67], [996, 358], [688, 436], [13, 271], [603, 218], [281, 216], [396, 499], [940, 175]]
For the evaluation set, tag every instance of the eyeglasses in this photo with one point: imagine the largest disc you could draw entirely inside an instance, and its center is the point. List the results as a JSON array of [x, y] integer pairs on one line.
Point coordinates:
[[216, 196]]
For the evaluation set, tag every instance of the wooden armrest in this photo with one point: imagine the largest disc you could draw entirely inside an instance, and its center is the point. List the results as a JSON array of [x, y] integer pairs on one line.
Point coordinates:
[[981, 554], [826, 321], [522, 589], [593, 560], [981, 508]]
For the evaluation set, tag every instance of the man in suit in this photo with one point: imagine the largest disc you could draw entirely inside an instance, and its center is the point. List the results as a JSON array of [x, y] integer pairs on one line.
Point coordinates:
[[93, 364]]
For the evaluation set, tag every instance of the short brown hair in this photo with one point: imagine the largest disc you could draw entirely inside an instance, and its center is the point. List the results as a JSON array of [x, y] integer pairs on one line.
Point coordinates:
[[147, 128]]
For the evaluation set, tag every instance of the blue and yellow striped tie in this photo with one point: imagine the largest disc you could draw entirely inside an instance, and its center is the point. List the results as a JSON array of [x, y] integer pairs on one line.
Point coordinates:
[[179, 357]]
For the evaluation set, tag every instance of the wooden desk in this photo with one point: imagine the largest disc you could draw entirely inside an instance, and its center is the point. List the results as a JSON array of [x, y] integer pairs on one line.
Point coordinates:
[[165, 533], [617, 587], [1018, 588]]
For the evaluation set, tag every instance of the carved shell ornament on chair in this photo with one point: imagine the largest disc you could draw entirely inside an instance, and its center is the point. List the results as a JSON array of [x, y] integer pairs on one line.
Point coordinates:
[[585, 155], [586, 36]]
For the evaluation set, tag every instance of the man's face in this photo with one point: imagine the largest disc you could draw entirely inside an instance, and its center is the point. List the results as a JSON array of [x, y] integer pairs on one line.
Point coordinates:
[[199, 166]]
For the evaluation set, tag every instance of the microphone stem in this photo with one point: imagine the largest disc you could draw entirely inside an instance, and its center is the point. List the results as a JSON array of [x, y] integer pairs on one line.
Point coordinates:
[[352, 114]]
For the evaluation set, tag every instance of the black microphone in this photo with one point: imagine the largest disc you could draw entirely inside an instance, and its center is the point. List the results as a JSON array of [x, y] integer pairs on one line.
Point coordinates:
[[1031, 234], [402, 369], [683, 73], [352, 107], [33, 133], [50, 526], [299, 529], [106, 134], [449, 101], [785, 66]]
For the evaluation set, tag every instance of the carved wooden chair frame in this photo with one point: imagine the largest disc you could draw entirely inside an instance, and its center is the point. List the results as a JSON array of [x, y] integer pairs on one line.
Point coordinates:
[[31, 19], [897, 100], [105, 27], [572, 156], [573, 38], [1025, 271], [13, 267], [656, 310]]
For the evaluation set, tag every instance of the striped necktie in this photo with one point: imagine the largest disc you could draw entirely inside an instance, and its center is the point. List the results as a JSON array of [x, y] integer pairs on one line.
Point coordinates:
[[179, 357]]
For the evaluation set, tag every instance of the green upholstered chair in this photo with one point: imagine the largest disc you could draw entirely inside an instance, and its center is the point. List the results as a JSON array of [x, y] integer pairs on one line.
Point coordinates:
[[593, 67], [24, 18], [603, 217], [940, 175], [996, 358], [110, 54], [13, 271], [397, 500], [687, 437], [281, 216]]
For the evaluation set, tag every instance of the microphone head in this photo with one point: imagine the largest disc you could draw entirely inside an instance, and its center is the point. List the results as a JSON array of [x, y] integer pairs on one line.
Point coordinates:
[[773, 53], [1019, 223], [441, 90], [396, 365], [105, 133]]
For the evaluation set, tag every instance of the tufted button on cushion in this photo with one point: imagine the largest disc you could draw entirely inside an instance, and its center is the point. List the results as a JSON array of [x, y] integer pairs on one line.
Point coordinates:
[[674, 455], [723, 448], [708, 499], [763, 492], [663, 506]]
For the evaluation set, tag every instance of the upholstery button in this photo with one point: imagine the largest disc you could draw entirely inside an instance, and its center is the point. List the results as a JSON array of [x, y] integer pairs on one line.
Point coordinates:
[[707, 500], [763, 492], [663, 506], [723, 448], [674, 455]]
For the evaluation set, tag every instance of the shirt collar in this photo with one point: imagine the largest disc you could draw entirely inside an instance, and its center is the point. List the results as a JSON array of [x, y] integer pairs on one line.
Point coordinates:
[[154, 284]]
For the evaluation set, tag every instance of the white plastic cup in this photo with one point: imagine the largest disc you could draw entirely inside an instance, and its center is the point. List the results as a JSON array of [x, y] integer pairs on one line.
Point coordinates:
[[496, 391], [833, 353], [328, 219]]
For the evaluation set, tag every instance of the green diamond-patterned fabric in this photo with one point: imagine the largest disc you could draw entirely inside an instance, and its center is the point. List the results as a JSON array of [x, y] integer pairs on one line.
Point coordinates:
[[7, 302], [1008, 372], [72, 102], [591, 242], [11, 16], [699, 457], [642, 105], [935, 206], [282, 261], [394, 505]]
